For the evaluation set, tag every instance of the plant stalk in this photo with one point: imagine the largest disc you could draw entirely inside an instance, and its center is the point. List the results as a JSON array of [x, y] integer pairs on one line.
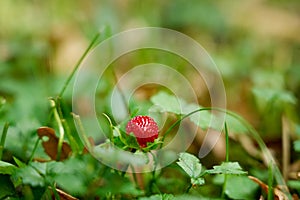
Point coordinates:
[[60, 129], [3, 138], [81, 131], [78, 64]]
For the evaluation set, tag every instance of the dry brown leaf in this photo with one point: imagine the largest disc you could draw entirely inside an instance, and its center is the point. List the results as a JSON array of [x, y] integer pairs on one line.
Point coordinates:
[[278, 194], [64, 196], [50, 146]]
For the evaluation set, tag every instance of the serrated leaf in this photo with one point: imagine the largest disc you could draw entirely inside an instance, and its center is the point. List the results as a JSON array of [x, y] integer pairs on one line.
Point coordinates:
[[31, 175], [190, 164], [227, 168], [7, 168]]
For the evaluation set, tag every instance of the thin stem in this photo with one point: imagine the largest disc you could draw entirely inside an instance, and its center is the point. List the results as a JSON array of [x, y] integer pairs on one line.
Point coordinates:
[[226, 159], [226, 143], [286, 148], [78, 64], [81, 131], [3, 138], [179, 120], [73, 143], [111, 134], [270, 183], [224, 186], [60, 129], [34, 149], [188, 188], [134, 176]]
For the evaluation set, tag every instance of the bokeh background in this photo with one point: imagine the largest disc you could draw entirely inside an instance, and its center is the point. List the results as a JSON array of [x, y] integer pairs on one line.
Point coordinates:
[[255, 44]]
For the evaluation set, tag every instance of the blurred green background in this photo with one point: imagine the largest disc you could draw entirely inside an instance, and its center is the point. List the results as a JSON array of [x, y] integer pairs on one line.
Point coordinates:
[[255, 44]]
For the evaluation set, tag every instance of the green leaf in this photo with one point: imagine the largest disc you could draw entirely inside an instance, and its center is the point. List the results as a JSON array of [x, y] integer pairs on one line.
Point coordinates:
[[2, 101], [129, 139], [235, 125], [241, 187], [152, 145], [168, 103], [7, 168], [6, 187], [295, 184], [75, 174], [237, 187], [19, 162], [297, 145], [297, 129], [31, 174], [192, 197], [158, 197], [113, 183], [227, 168], [191, 165], [201, 119], [267, 95], [172, 104]]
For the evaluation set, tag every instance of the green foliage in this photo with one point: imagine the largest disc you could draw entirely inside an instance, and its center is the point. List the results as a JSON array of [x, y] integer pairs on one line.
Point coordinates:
[[297, 142], [158, 197], [274, 97], [32, 174], [191, 165], [227, 168], [7, 168], [7, 189], [297, 145], [247, 189], [172, 104], [168, 103]]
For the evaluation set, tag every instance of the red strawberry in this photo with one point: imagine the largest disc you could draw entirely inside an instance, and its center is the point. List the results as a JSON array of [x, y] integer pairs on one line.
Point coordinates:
[[144, 128]]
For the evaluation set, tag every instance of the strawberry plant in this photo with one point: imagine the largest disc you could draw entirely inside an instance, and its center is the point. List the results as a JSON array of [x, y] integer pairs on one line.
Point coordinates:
[[144, 129]]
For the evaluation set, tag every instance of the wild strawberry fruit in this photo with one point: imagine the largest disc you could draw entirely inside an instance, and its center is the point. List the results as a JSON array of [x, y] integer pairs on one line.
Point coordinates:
[[144, 128]]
